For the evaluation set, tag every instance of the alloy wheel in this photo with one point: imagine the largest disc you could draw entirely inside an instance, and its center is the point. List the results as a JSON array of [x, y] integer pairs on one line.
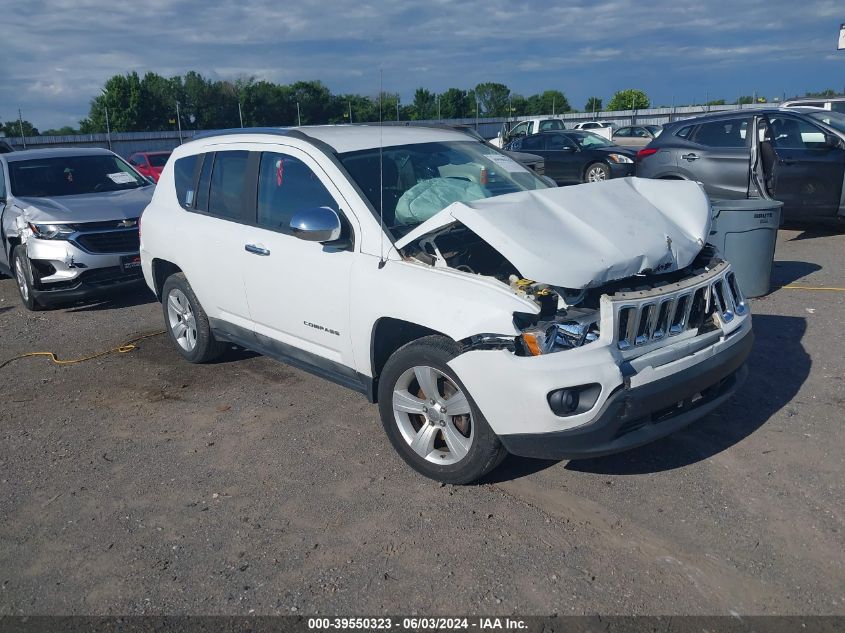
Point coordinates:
[[180, 316], [433, 415]]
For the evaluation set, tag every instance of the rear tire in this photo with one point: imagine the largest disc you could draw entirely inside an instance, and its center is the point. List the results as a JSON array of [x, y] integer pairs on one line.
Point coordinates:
[[597, 172], [431, 419], [22, 269], [187, 323]]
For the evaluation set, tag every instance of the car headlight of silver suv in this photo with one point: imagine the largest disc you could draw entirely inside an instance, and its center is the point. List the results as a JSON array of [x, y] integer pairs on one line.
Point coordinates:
[[51, 231]]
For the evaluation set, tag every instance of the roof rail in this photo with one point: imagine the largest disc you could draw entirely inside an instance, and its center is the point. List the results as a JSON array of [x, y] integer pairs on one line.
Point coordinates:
[[275, 131], [278, 131]]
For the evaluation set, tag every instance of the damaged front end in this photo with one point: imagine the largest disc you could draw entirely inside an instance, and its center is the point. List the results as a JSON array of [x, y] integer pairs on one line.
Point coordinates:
[[633, 276]]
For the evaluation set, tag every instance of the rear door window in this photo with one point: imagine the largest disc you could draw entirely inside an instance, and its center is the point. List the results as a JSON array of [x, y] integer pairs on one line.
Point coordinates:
[[228, 184], [722, 133], [535, 142], [551, 124]]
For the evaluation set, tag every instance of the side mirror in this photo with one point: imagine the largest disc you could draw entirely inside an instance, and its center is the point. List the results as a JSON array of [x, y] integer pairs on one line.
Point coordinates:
[[319, 224], [832, 141]]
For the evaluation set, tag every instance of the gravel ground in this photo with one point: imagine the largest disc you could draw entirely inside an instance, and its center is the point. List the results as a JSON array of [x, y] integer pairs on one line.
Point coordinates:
[[137, 483]]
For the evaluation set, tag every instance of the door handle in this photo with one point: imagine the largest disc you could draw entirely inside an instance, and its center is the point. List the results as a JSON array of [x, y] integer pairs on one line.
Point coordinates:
[[256, 250], [690, 157]]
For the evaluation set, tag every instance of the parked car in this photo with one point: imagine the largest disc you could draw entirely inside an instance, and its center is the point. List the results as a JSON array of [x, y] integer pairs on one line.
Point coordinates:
[[576, 156], [526, 128], [534, 162], [149, 164], [636, 135], [797, 156], [5, 148], [69, 223], [592, 125], [835, 104], [555, 323]]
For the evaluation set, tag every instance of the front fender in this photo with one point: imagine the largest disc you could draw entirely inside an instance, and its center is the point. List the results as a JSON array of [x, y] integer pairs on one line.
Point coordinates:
[[445, 300]]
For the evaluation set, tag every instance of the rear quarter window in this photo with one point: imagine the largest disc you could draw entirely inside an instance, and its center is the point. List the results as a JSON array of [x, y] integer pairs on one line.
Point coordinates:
[[183, 176]]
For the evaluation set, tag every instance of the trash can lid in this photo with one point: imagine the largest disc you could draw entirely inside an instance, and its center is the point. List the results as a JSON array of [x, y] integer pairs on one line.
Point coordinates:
[[754, 204]]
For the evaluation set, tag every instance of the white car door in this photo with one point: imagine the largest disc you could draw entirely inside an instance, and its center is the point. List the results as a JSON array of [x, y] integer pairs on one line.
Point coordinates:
[[298, 291]]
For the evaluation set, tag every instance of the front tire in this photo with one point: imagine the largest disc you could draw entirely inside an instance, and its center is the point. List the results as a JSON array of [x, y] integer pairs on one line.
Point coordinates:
[[22, 268], [597, 172], [431, 419], [187, 323]]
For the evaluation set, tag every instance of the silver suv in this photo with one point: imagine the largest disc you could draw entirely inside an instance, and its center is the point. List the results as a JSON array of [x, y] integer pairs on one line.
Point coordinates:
[[69, 223]]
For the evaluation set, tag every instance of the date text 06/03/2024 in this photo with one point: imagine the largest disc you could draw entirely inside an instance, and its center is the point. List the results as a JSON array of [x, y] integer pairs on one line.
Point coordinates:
[[417, 623]]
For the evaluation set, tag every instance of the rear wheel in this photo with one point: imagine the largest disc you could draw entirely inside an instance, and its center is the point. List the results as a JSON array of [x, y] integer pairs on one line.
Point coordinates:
[[22, 268], [187, 323], [597, 172], [430, 418]]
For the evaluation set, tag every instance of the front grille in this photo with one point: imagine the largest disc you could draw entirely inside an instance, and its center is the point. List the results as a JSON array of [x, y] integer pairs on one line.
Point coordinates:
[[650, 316], [121, 241]]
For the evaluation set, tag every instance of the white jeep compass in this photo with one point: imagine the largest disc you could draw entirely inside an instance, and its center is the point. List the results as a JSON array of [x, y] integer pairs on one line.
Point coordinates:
[[483, 311]]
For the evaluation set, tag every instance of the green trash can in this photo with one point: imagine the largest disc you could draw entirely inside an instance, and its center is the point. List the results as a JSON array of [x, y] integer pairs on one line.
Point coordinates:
[[746, 231]]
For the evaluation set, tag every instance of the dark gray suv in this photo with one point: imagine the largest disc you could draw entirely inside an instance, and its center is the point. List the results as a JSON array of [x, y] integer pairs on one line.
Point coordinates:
[[796, 156]]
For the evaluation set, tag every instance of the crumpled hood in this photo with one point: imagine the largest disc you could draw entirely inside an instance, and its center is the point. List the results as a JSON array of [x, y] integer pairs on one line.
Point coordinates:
[[89, 207], [587, 235]]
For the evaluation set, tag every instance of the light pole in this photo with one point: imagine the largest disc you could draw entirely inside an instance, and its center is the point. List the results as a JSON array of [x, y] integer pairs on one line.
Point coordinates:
[[298, 115], [350, 112], [438, 107], [179, 122], [20, 125], [240, 113], [106, 108], [397, 108]]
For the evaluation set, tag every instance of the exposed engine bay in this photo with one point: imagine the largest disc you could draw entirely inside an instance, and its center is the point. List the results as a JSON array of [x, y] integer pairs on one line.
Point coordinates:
[[567, 317]]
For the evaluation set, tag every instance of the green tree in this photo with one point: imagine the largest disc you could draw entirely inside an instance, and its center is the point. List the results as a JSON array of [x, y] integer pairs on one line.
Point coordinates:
[[745, 99], [456, 104], [13, 128], [551, 102], [492, 99], [121, 96], [830, 92], [424, 106], [628, 99], [715, 102], [593, 105], [62, 131]]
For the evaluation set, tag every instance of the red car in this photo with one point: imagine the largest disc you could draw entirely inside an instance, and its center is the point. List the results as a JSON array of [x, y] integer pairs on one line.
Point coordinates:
[[149, 163]]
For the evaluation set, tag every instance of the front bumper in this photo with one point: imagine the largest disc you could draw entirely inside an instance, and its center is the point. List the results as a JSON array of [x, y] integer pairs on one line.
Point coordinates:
[[641, 400], [69, 273], [622, 170], [633, 417]]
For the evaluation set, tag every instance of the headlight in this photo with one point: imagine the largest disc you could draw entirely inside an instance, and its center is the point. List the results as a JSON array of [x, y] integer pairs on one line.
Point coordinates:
[[546, 338], [619, 158], [51, 231]]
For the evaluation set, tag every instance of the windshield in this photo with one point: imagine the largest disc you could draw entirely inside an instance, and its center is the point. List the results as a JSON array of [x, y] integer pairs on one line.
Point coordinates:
[[71, 175], [424, 178], [158, 160], [588, 140], [654, 129], [833, 119]]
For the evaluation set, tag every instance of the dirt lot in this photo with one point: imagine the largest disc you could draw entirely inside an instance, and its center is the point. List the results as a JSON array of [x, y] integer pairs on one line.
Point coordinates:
[[137, 483]]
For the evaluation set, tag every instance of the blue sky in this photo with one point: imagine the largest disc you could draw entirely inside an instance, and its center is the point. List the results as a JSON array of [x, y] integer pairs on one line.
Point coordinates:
[[57, 53]]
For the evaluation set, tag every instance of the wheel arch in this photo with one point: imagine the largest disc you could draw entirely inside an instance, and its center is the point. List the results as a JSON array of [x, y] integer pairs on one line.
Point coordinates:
[[388, 335], [162, 269]]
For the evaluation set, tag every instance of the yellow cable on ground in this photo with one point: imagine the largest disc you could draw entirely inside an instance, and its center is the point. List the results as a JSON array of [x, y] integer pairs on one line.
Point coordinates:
[[128, 346], [830, 288]]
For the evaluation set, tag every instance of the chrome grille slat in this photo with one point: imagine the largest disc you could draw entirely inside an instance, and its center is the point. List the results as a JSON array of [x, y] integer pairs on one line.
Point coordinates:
[[645, 317]]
